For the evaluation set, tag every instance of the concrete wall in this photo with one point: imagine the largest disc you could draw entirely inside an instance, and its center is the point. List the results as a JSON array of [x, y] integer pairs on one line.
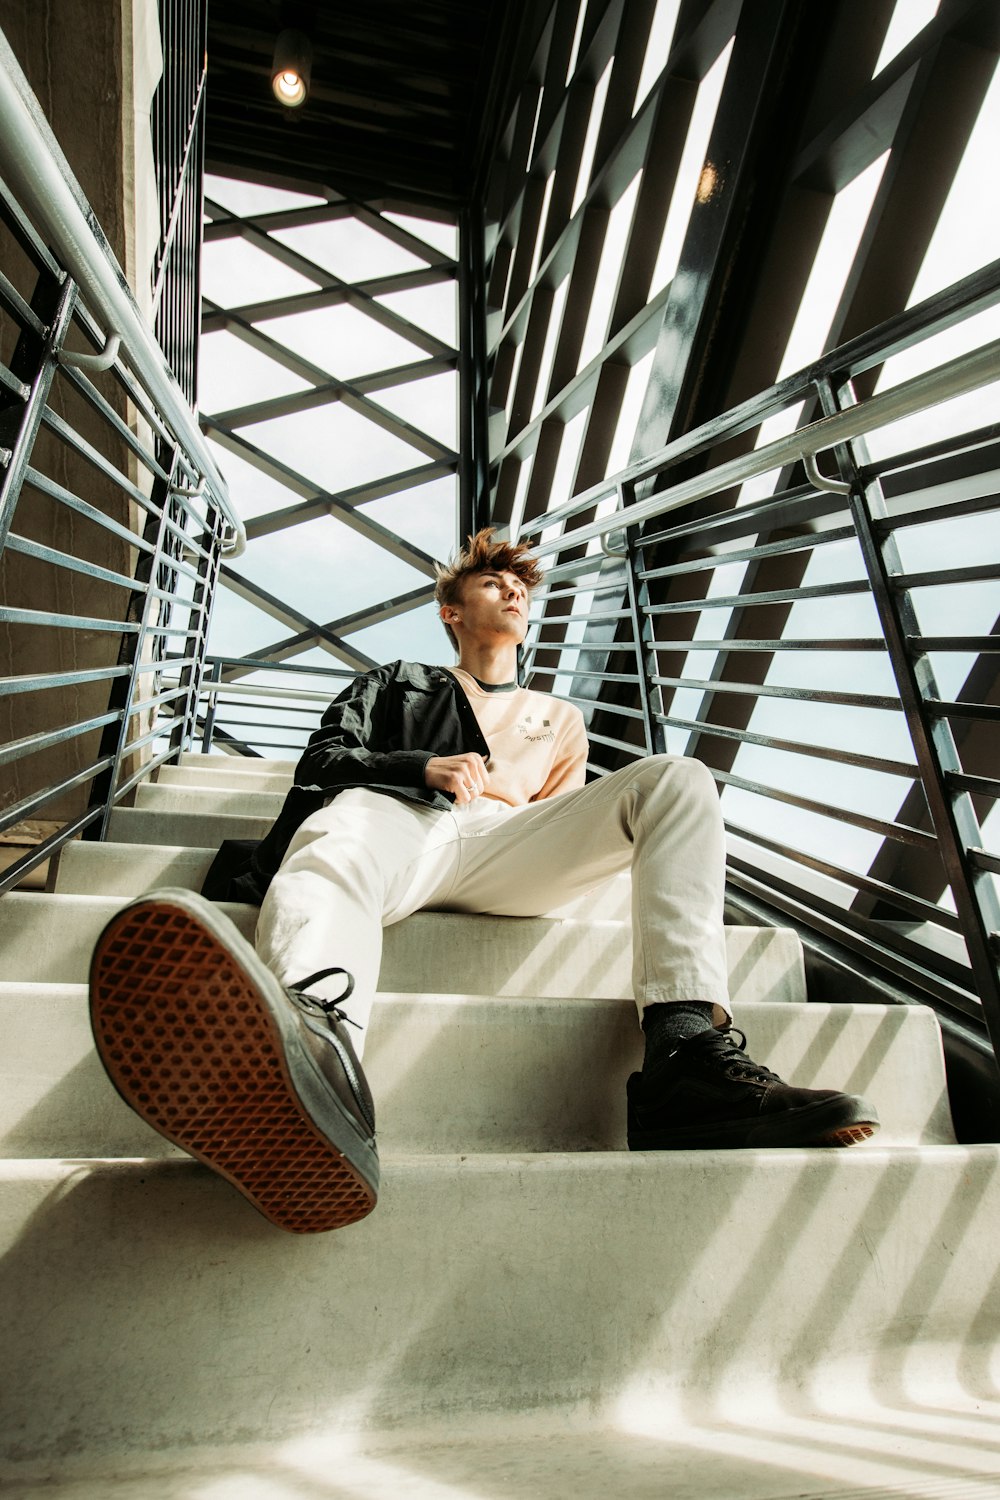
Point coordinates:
[[93, 65]]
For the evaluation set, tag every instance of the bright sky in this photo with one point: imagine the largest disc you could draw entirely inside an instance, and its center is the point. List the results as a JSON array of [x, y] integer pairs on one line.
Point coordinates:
[[329, 571]]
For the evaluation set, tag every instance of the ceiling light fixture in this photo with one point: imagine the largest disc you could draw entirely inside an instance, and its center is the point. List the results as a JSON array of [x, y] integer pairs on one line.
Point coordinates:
[[292, 67]]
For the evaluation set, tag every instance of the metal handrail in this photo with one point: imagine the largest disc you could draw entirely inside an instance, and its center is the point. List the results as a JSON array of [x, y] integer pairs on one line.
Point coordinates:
[[33, 164], [958, 377]]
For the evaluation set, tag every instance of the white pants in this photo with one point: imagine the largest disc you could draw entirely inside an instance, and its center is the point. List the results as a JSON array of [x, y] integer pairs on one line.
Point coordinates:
[[367, 860]]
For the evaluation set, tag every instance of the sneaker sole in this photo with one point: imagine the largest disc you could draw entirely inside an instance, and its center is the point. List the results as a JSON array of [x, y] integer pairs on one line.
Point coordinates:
[[843, 1121], [192, 1044]]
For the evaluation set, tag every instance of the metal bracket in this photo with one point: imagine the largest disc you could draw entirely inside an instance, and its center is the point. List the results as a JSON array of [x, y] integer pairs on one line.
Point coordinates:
[[610, 551], [92, 362], [821, 481], [189, 492]]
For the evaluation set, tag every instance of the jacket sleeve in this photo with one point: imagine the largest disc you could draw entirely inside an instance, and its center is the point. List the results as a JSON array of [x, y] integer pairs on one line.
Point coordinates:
[[354, 743]]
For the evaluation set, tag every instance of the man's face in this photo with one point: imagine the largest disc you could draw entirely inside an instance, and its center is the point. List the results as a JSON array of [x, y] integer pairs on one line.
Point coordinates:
[[492, 605]]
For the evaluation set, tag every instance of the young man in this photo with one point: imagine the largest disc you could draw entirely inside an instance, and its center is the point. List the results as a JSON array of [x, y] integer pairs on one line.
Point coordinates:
[[425, 787]]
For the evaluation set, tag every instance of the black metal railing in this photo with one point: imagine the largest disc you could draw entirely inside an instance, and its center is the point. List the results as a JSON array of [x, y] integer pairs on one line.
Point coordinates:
[[829, 644], [113, 516], [178, 128], [253, 708]]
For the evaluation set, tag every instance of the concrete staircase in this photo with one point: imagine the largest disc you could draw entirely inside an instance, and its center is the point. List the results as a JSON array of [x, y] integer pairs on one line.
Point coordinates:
[[531, 1313]]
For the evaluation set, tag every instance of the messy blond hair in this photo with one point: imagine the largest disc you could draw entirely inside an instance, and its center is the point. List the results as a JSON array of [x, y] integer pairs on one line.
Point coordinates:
[[481, 554]]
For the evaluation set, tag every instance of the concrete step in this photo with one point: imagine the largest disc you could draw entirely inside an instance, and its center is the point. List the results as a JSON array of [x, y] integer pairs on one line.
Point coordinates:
[[250, 763], [146, 1306], [871, 1450], [432, 952], [212, 774], [207, 801], [130, 869], [467, 1073], [131, 825]]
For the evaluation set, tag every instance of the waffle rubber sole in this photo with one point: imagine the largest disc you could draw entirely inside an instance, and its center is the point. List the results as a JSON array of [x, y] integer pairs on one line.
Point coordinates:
[[200, 1040], [839, 1120]]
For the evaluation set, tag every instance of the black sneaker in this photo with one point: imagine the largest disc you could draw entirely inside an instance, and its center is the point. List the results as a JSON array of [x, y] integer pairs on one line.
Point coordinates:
[[711, 1094], [259, 1082]]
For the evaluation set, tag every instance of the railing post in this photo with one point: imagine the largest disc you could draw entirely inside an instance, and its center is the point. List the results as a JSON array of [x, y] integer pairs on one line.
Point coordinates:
[[33, 362], [650, 695], [191, 676], [114, 739], [208, 729], [952, 813]]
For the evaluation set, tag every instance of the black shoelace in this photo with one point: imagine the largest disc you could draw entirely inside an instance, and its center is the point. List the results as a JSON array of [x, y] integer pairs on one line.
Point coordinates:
[[329, 1008], [731, 1054]]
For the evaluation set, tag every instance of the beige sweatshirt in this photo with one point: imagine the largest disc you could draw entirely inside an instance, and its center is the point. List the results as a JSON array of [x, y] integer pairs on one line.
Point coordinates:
[[538, 744]]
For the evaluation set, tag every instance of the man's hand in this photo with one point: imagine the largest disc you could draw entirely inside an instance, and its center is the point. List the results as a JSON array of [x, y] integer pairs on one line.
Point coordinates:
[[465, 776]]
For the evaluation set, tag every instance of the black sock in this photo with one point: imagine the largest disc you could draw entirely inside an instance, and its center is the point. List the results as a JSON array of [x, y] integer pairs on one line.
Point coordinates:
[[666, 1025]]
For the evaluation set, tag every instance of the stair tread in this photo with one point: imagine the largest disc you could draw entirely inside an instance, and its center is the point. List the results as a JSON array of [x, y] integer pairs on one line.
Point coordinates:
[[480, 1073], [485, 1283], [833, 1452], [517, 955]]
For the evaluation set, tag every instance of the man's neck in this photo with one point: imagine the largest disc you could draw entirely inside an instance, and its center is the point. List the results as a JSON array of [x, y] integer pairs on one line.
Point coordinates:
[[489, 664]]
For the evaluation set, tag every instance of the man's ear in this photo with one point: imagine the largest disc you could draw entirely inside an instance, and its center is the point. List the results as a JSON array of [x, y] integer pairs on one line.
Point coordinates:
[[449, 614]]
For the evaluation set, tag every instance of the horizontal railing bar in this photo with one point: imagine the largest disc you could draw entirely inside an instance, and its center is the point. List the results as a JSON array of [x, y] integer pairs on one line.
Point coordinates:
[[35, 684], [968, 372], [315, 710], [86, 450], [736, 644], [282, 667], [795, 695], [597, 676], [982, 786], [580, 567], [976, 645], [984, 860], [148, 705], [235, 724], [16, 872], [590, 648], [930, 515], [93, 396], [767, 596], [56, 491], [24, 232], [30, 804], [147, 768], [38, 173], [886, 933], [10, 382], [943, 577], [609, 708], [792, 544], [32, 743], [19, 309], [183, 568], [900, 833], [928, 453], [748, 520], [20, 544], [607, 739], [603, 614], [870, 947], [793, 747], [40, 617], [211, 689], [987, 712], [926, 911]]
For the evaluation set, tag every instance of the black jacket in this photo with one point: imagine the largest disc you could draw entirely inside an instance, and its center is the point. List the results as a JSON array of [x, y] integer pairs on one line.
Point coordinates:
[[379, 733]]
